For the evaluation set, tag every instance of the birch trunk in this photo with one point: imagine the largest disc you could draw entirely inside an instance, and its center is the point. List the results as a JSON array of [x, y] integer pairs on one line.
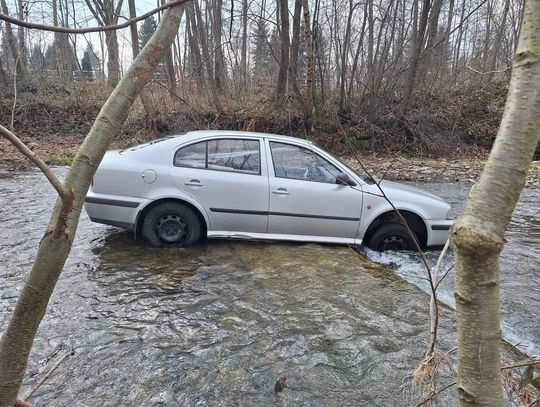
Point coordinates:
[[309, 64], [478, 234], [281, 85], [54, 248]]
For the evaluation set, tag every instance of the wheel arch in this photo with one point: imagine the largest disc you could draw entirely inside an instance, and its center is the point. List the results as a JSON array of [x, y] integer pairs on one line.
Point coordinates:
[[142, 213], [415, 222]]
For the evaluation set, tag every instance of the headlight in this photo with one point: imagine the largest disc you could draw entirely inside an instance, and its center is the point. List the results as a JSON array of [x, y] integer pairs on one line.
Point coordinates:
[[449, 214]]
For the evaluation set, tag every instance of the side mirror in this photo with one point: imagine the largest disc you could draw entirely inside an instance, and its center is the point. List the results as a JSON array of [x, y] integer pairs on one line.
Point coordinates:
[[344, 179]]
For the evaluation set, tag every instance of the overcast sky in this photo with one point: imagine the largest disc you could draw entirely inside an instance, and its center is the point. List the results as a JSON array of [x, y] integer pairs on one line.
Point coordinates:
[[41, 12]]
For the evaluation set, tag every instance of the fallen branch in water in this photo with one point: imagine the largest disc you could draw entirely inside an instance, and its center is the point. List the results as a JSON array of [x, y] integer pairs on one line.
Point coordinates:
[[46, 376], [45, 169]]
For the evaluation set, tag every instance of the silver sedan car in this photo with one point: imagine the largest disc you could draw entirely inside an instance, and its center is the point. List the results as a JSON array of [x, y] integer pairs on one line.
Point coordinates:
[[230, 184]]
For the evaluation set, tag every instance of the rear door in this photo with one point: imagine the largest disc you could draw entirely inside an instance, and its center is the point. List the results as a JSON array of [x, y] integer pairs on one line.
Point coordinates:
[[228, 177], [304, 196]]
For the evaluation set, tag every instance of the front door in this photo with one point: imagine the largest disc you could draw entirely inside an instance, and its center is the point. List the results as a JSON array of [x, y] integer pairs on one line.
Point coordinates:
[[227, 178], [304, 196]]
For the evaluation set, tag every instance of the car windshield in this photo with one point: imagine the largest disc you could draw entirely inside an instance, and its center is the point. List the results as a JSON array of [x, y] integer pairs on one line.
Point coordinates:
[[367, 179], [149, 143]]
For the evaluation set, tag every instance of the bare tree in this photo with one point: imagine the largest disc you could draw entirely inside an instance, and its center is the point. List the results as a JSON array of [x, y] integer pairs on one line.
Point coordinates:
[[19, 64], [106, 12], [281, 85], [309, 64], [55, 245], [478, 234]]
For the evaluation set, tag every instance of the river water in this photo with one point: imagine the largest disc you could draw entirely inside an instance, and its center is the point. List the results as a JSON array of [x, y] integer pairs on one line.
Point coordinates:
[[219, 323]]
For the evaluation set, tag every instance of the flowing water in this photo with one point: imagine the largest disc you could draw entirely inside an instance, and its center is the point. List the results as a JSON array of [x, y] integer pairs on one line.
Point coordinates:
[[217, 324], [520, 266]]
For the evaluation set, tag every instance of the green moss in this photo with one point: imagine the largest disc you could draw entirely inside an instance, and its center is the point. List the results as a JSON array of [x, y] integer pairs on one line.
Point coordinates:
[[60, 159]]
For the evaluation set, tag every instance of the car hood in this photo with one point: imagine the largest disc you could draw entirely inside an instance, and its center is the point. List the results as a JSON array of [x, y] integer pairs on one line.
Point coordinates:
[[396, 190]]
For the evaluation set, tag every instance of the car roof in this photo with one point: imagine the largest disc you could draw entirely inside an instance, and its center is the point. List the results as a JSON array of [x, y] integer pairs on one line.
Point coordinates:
[[194, 135]]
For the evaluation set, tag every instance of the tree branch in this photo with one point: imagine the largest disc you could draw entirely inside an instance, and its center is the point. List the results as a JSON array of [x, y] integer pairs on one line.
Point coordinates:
[[45, 169], [46, 376], [125, 24]]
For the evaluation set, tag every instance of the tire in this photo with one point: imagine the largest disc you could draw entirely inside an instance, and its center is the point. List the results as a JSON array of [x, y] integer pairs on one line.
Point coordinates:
[[171, 224], [391, 236]]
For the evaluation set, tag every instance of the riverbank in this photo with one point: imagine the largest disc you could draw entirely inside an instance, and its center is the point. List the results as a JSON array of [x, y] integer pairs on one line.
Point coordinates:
[[60, 149]]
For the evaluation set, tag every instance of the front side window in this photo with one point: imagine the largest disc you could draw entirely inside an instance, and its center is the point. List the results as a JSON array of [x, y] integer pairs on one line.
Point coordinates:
[[223, 155], [296, 162]]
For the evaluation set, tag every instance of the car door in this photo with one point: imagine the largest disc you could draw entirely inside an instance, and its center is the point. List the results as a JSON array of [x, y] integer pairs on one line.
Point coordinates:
[[304, 196], [227, 177]]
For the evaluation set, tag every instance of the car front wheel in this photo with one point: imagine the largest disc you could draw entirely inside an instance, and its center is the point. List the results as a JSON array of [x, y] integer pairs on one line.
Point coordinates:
[[391, 236], [171, 224]]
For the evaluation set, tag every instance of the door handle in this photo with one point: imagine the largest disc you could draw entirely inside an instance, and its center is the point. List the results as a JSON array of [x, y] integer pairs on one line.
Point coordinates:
[[194, 183], [280, 191]]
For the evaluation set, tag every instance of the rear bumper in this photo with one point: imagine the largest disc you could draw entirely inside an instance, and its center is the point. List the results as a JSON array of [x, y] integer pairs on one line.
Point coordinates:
[[437, 232], [120, 211]]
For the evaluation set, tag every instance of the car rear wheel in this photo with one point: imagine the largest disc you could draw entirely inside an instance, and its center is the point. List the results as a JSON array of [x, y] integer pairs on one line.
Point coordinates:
[[171, 224], [391, 236]]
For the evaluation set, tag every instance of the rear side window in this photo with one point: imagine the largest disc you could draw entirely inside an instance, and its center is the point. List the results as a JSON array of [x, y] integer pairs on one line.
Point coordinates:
[[233, 155], [193, 156]]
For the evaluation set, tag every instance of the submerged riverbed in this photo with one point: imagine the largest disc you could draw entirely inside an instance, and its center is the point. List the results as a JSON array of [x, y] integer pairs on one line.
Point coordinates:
[[219, 323]]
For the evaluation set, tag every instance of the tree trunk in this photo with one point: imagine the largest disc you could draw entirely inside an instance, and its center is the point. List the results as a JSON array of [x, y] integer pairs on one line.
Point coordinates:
[[344, 64], [206, 55], [371, 43], [432, 30], [281, 85], [418, 44], [3, 77], [12, 42], [309, 65], [357, 54], [133, 29], [295, 44], [20, 32], [220, 72], [113, 62], [478, 234], [244, 62], [498, 41], [56, 244]]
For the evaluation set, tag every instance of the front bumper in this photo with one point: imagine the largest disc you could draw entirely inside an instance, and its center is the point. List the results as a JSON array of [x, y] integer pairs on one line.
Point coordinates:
[[437, 231]]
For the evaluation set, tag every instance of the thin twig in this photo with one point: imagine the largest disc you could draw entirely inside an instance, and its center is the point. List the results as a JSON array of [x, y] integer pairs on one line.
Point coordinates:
[[175, 95], [14, 93], [488, 72], [46, 376], [534, 362], [23, 148], [434, 329], [433, 297], [444, 276], [435, 394], [125, 24], [385, 172], [528, 219], [192, 73]]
